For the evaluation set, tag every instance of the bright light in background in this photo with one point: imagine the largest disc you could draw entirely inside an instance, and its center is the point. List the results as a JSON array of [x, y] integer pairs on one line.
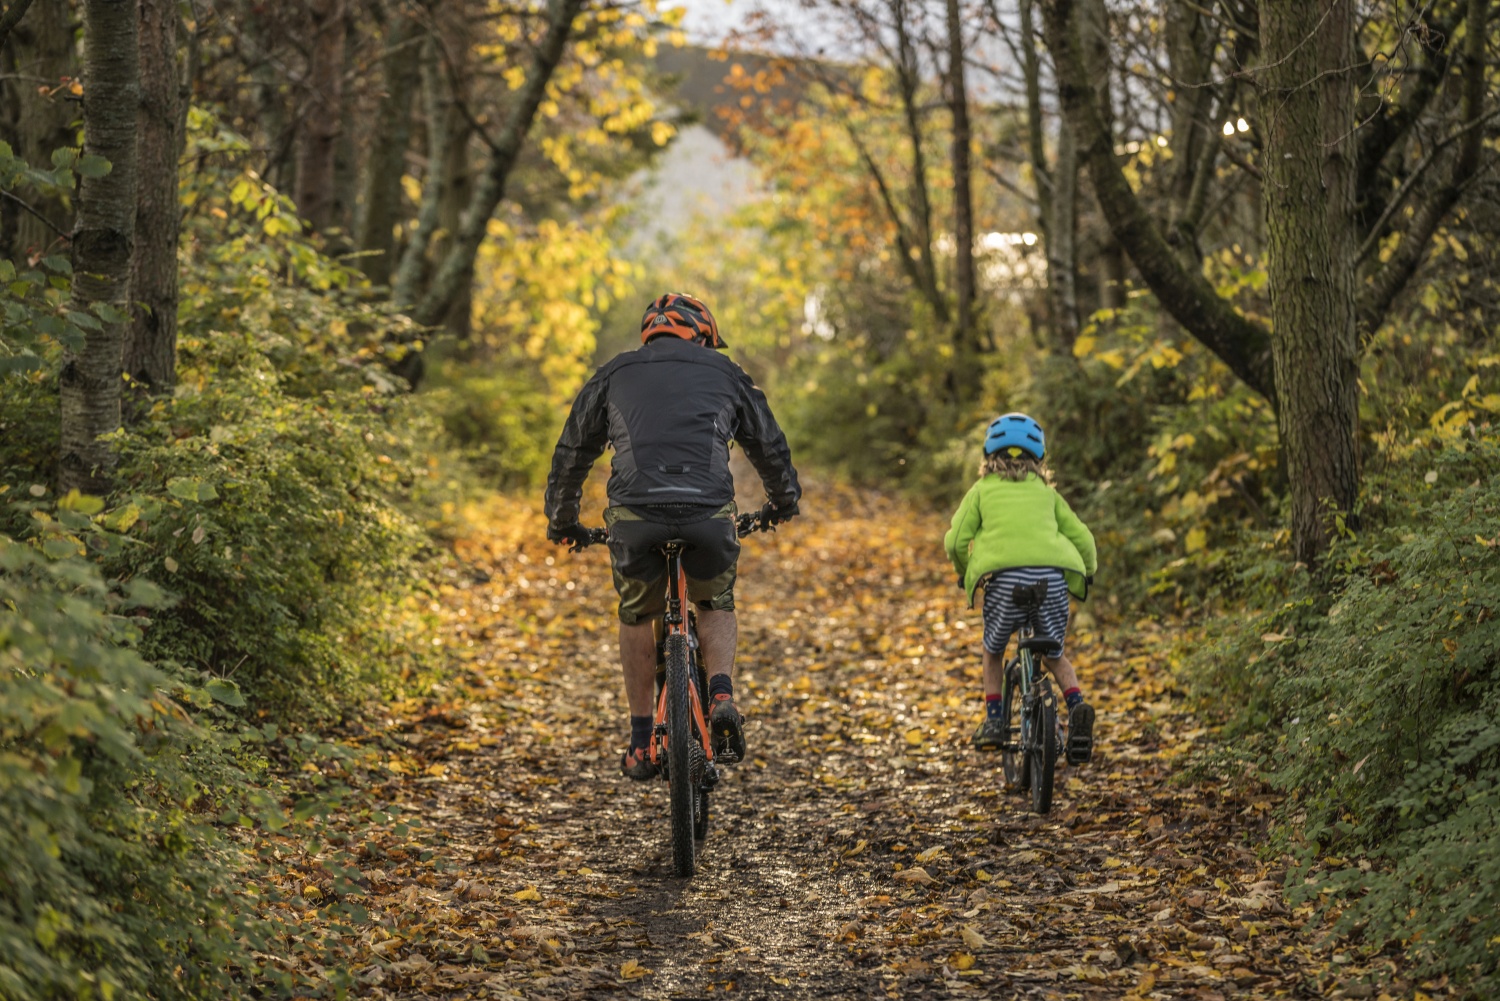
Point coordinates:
[[1161, 141], [1229, 128], [1242, 125], [1000, 241]]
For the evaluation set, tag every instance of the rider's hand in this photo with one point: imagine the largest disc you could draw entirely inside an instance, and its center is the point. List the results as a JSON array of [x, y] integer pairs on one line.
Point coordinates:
[[572, 534], [770, 514], [963, 583]]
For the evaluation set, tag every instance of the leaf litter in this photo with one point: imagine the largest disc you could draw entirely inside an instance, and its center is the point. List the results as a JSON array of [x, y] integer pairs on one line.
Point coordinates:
[[864, 850]]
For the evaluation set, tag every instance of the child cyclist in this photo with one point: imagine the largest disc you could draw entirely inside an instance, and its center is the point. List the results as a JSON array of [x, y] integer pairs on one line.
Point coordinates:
[[1014, 529]]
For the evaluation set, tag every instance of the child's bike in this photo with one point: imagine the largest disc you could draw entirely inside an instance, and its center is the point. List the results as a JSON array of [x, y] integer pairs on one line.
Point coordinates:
[[682, 746], [1029, 707]]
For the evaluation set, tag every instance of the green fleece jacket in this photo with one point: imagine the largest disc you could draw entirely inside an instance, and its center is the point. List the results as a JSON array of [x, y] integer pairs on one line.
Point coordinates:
[[1007, 523]]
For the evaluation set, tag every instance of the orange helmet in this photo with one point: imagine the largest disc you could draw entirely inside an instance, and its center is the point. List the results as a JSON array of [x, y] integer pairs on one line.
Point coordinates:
[[682, 316]]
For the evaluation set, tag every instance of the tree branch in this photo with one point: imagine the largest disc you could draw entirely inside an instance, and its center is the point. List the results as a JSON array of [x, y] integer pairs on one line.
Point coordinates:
[[1243, 345], [1387, 283], [11, 18]]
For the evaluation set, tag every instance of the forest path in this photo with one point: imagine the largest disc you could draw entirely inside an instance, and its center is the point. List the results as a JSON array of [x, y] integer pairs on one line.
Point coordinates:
[[532, 868]]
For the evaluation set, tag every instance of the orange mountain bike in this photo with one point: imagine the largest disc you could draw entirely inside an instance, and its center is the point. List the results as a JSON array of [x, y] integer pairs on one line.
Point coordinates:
[[681, 744]]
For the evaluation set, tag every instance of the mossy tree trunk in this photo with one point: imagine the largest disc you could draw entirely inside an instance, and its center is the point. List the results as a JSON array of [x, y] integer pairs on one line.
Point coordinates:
[[966, 336], [103, 243]]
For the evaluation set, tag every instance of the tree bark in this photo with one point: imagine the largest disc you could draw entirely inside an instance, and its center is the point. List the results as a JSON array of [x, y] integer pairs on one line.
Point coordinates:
[[1307, 120], [103, 244], [412, 269], [319, 134], [151, 348], [387, 161], [965, 334], [1062, 242], [1240, 343], [908, 79], [456, 270], [45, 53]]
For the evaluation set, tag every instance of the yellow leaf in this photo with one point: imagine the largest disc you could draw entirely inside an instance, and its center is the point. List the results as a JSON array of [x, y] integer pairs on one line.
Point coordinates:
[[961, 961], [631, 970], [914, 737], [972, 939], [930, 854], [1196, 540], [527, 894], [915, 874]]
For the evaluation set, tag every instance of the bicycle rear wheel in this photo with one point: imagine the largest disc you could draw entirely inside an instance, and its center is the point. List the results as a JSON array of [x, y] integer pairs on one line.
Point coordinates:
[[1044, 752], [679, 755], [1013, 754]]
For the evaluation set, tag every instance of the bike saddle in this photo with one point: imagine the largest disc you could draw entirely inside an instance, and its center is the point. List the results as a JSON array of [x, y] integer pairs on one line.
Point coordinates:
[[1044, 646], [1030, 596]]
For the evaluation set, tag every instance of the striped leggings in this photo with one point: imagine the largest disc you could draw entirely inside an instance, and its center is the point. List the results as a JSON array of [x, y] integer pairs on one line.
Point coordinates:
[[1002, 618]]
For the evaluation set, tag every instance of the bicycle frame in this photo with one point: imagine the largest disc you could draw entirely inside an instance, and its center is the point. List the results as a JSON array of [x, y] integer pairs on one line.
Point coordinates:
[[676, 622]]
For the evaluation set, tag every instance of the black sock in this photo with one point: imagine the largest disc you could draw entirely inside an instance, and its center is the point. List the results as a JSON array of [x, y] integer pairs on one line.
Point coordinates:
[[640, 732], [720, 684]]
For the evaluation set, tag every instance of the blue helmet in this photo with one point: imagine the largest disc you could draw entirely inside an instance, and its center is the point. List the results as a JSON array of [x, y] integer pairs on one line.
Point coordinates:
[[1015, 431]]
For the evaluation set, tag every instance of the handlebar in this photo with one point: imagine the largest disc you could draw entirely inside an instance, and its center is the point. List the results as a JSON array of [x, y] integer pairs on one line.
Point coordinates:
[[746, 524]]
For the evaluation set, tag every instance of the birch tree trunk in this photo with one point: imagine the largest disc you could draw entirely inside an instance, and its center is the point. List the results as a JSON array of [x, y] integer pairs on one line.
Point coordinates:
[[103, 244], [1307, 114], [151, 349]]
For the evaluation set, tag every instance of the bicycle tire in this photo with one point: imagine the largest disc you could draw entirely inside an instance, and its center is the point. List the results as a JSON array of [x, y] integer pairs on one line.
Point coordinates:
[[679, 755], [1013, 759], [1044, 755], [700, 761]]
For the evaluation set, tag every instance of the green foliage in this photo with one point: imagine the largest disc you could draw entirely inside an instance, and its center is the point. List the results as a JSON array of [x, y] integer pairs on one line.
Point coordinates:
[[1375, 692], [114, 885]]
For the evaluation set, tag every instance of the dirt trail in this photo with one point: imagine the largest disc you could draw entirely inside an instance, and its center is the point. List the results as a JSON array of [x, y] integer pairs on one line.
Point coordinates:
[[864, 851]]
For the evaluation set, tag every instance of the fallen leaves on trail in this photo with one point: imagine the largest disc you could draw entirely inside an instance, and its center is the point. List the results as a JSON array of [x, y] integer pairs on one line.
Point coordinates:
[[863, 850]]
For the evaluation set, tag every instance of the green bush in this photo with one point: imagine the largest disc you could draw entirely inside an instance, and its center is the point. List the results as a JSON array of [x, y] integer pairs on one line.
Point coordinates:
[[1376, 689], [113, 886]]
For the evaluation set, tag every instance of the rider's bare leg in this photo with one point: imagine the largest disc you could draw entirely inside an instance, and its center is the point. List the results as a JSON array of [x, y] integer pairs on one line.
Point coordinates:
[[718, 635], [994, 673], [638, 660], [1062, 670]]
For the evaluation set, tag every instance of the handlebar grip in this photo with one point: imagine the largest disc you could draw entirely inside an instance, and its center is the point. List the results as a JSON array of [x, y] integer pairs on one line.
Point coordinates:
[[747, 524]]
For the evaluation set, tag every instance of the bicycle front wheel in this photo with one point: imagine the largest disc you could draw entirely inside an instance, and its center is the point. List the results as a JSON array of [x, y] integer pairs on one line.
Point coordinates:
[[1013, 754], [679, 755], [1044, 753]]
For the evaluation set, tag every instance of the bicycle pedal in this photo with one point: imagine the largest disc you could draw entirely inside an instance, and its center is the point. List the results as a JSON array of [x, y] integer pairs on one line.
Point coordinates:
[[725, 755]]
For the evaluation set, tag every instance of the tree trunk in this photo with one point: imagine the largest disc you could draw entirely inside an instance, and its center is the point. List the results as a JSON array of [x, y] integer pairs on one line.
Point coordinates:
[[456, 270], [102, 244], [1307, 118], [45, 53], [387, 161], [1062, 242], [965, 334], [411, 272], [319, 134], [151, 349]]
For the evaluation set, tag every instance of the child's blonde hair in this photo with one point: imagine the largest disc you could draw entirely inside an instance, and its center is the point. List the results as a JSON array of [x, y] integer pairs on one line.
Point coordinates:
[[1014, 467]]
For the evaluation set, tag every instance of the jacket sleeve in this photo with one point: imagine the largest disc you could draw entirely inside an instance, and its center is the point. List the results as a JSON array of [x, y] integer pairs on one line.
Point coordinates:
[[583, 438], [1076, 532], [965, 526], [765, 445]]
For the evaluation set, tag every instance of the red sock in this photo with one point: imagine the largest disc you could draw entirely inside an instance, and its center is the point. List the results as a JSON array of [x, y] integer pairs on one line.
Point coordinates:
[[1073, 696]]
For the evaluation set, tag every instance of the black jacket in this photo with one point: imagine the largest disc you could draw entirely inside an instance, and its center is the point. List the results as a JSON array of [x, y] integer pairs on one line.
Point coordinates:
[[669, 410]]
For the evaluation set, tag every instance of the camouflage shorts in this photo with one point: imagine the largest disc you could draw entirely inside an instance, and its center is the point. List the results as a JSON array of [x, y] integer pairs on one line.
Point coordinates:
[[640, 569]]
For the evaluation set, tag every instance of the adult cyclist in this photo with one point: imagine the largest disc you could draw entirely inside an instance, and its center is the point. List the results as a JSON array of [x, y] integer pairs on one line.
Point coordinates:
[[669, 409]]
